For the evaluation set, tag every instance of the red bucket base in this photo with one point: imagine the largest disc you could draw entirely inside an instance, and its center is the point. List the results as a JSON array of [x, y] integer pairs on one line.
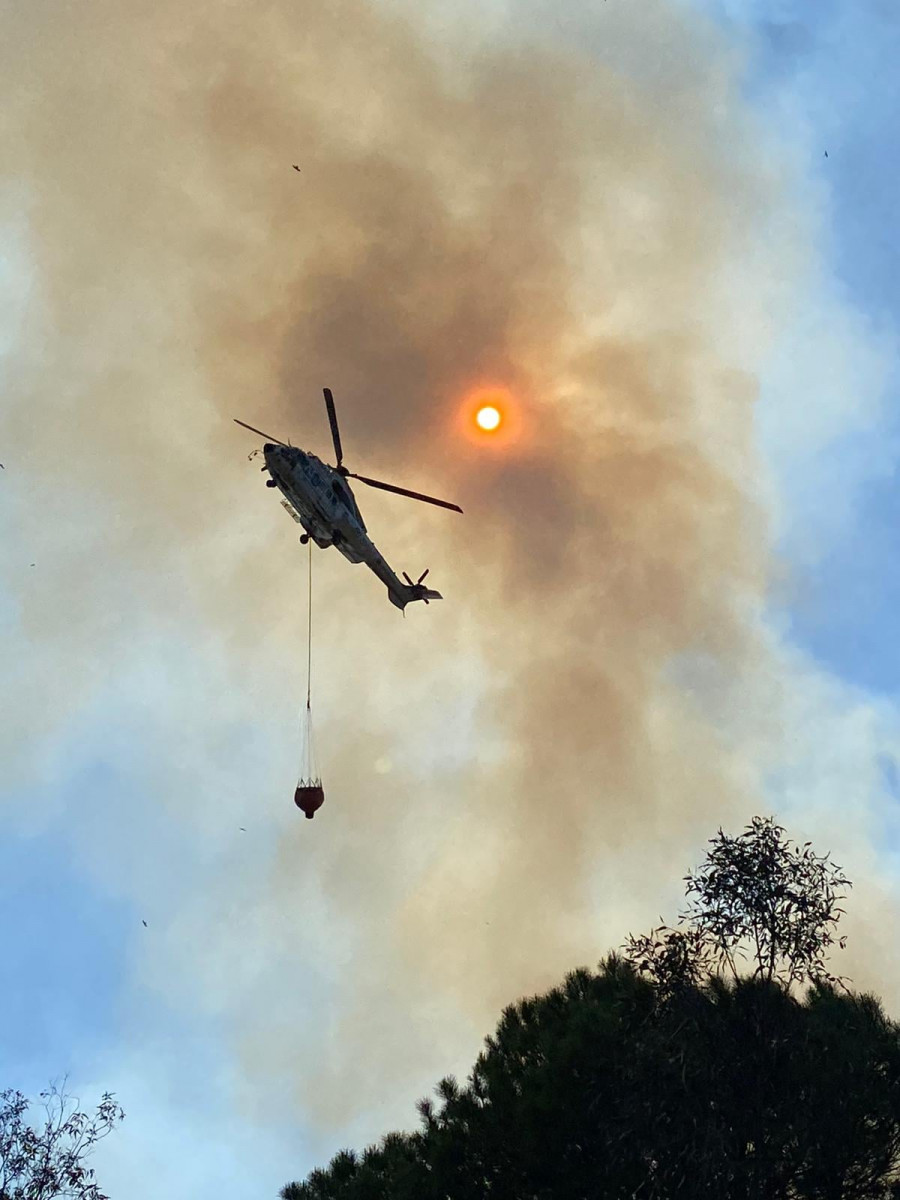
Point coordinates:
[[309, 798]]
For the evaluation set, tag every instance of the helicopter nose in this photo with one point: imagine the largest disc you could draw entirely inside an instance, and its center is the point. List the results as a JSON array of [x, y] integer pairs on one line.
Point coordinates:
[[268, 447]]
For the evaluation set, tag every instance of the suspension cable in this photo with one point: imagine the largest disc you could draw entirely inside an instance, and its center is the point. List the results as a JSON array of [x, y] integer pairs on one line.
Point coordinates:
[[309, 631]]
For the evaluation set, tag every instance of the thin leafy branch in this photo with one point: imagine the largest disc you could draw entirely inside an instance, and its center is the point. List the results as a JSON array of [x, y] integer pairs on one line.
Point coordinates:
[[757, 899], [49, 1162]]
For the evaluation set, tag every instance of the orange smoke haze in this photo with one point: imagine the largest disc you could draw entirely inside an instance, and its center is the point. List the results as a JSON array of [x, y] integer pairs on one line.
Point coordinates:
[[471, 220], [514, 776]]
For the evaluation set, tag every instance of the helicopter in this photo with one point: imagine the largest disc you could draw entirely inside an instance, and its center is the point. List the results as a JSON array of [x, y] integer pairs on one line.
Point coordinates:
[[318, 497]]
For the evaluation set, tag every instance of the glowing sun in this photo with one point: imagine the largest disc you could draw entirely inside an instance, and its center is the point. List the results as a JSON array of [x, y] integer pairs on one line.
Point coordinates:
[[488, 418]]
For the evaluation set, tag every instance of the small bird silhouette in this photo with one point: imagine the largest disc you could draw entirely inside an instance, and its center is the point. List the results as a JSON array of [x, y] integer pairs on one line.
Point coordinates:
[[826, 153], [294, 165], [242, 829], [144, 923]]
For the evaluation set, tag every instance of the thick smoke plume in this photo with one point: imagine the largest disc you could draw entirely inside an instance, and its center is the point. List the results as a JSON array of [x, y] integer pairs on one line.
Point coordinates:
[[515, 776]]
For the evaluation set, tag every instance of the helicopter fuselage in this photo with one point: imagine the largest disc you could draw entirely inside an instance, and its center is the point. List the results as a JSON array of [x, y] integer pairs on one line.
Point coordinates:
[[319, 498]]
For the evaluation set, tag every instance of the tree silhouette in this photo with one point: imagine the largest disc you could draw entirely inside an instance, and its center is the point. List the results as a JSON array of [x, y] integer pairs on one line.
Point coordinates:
[[672, 1073], [759, 890], [756, 898], [48, 1163]]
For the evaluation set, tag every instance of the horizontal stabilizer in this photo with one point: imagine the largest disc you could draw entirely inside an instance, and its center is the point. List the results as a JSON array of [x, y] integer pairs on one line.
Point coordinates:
[[411, 592]]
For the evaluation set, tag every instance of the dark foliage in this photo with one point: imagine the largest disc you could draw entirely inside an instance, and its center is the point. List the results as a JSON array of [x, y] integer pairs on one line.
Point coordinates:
[[663, 1076], [760, 894], [757, 898], [48, 1163], [736, 1090]]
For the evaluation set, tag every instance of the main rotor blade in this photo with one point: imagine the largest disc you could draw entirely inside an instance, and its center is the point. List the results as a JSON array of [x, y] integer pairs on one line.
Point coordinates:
[[389, 487], [267, 436], [335, 432]]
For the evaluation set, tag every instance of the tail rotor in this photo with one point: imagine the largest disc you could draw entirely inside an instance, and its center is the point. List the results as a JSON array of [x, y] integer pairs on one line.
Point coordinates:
[[423, 592]]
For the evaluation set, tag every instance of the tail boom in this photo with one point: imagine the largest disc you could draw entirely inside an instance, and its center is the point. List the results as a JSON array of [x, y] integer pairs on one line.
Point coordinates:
[[400, 593]]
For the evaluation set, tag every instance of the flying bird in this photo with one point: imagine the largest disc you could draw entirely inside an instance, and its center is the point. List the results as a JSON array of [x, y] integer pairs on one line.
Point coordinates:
[[144, 923], [242, 829], [294, 165], [826, 153]]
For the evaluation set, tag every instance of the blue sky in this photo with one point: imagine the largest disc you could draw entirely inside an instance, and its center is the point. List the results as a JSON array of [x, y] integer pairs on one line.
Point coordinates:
[[829, 69], [850, 84], [95, 842]]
